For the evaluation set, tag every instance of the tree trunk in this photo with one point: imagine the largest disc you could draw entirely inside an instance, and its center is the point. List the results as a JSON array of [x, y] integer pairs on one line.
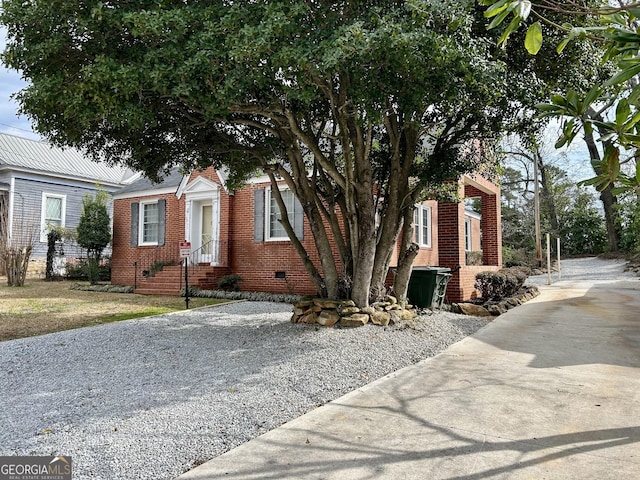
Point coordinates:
[[609, 200], [547, 195], [17, 262], [409, 251]]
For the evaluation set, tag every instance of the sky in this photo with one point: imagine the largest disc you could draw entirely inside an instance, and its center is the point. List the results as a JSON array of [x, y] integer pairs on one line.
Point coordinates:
[[11, 82]]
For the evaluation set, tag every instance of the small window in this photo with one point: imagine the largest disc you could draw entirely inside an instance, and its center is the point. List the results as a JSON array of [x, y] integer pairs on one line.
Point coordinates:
[[422, 225], [467, 234], [274, 228], [149, 223], [53, 213]]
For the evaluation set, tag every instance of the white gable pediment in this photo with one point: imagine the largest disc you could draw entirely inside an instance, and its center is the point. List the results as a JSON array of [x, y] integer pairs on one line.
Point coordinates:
[[198, 187]]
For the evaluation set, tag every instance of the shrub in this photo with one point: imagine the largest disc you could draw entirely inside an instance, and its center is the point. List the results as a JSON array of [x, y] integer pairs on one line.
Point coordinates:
[[79, 270], [230, 282], [490, 284], [250, 296], [501, 284]]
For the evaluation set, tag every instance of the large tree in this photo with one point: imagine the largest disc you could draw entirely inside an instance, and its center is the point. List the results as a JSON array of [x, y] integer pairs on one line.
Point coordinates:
[[361, 107]]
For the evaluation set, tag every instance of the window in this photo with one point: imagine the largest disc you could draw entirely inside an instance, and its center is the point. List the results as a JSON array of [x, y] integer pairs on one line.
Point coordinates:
[[422, 225], [267, 225], [53, 213], [467, 234], [148, 222], [274, 228]]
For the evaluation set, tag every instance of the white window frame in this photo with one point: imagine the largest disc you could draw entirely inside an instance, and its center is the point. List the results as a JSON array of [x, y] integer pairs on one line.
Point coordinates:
[[43, 221], [418, 226], [468, 244], [268, 213], [141, 241]]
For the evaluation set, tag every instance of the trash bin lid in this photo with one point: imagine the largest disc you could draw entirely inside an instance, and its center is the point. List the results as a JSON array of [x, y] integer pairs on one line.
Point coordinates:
[[422, 268]]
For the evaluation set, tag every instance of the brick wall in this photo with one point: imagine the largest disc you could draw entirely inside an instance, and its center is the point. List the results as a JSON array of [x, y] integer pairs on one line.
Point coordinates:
[[123, 270], [275, 266]]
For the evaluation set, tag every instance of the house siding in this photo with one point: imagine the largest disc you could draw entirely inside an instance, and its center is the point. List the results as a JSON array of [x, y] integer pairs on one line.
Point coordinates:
[[27, 212]]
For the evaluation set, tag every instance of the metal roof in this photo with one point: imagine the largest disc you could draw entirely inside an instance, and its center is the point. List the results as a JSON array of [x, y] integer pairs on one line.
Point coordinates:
[[40, 156]]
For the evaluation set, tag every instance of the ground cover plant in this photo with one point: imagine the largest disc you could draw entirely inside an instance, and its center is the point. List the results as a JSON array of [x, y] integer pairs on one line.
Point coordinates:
[[44, 307]]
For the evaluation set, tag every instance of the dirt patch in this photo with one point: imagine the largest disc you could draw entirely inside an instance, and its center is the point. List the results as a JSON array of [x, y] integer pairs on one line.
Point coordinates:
[[44, 307]]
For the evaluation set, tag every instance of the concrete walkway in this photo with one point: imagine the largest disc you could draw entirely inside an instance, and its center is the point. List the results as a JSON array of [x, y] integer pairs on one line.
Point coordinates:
[[549, 390]]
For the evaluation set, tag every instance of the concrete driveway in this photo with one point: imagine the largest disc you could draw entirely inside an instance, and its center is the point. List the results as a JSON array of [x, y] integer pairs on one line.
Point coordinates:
[[549, 390]]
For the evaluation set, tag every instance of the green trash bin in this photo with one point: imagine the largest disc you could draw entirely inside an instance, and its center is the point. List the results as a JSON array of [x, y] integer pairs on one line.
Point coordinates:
[[427, 286]]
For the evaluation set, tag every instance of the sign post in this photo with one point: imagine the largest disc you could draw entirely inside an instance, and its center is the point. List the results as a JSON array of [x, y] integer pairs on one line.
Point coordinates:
[[185, 252]]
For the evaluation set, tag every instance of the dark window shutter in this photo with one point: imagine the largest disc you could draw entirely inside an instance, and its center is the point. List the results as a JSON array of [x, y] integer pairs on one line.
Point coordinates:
[[162, 220], [258, 215], [135, 218], [298, 219]]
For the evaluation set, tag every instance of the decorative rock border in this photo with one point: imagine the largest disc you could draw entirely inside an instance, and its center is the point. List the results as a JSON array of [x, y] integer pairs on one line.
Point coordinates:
[[345, 313], [494, 308]]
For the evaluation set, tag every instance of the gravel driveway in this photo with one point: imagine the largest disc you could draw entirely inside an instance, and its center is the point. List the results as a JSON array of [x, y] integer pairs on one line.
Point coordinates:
[[152, 398]]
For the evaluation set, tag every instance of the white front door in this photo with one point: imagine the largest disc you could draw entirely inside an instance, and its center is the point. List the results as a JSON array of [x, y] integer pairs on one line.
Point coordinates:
[[206, 234], [202, 220]]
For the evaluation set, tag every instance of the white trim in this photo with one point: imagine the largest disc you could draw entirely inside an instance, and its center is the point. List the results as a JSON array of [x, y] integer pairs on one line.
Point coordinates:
[[267, 215], [468, 232], [145, 193], [142, 243], [183, 185], [198, 193], [419, 226], [12, 189], [63, 213]]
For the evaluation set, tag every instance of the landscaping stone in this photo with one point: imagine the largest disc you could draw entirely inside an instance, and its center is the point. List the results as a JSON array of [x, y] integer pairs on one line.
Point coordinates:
[[326, 303], [380, 318], [473, 309], [346, 311], [328, 318], [356, 320]]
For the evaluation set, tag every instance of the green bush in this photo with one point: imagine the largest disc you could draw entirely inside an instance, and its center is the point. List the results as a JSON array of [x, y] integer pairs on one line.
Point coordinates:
[[250, 296], [501, 284], [230, 282], [80, 270]]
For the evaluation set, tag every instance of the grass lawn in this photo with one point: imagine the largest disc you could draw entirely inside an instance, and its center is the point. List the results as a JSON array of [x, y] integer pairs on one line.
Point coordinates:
[[43, 307]]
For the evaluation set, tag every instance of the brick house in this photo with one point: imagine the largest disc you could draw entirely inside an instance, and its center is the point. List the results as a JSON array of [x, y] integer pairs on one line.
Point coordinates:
[[238, 232]]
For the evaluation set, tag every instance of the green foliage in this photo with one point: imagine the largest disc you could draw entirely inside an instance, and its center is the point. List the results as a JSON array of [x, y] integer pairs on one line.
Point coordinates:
[[583, 230], [94, 230], [158, 266], [629, 211], [615, 27], [54, 235], [230, 282], [102, 288], [80, 270], [250, 296], [397, 95]]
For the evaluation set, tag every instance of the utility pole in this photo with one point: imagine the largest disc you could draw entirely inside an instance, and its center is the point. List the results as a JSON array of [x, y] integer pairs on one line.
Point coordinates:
[[536, 206]]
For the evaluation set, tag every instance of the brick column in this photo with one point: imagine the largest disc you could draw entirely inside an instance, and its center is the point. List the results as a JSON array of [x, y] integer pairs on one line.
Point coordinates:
[[451, 244], [491, 230]]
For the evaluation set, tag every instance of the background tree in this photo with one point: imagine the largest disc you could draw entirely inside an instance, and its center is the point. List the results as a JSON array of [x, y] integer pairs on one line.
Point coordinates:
[[336, 99], [94, 231], [583, 230], [567, 210], [614, 26]]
